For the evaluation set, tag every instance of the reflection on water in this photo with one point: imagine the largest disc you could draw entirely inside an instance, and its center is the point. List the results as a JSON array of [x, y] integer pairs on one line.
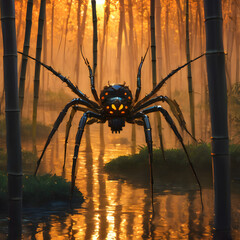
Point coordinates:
[[115, 209]]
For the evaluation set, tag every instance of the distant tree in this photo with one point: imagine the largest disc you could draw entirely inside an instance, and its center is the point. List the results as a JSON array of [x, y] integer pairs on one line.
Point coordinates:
[[25, 51], [37, 65], [154, 69], [190, 87], [12, 119], [218, 109]]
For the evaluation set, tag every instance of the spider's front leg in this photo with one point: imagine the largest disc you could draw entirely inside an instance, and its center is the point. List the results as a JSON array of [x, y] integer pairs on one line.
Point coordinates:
[[79, 134], [57, 124]]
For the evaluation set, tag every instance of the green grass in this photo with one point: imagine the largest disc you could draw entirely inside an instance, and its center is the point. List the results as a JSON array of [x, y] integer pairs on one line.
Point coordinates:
[[41, 191], [175, 169]]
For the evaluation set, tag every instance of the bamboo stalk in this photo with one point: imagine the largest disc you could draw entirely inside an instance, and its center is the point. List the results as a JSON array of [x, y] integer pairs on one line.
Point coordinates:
[[218, 108], [190, 87], [14, 168], [154, 71], [105, 28], [37, 65], [66, 31], [25, 51]]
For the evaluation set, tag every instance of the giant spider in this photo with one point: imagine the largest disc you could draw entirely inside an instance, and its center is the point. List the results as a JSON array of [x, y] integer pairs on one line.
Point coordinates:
[[117, 106]]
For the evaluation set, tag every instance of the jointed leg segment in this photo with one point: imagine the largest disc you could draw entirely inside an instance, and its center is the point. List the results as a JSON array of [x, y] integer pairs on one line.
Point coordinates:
[[57, 124], [174, 128], [81, 127]]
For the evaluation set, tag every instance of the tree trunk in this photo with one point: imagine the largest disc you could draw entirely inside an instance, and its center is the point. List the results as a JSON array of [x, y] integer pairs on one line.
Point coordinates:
[[37, 65], [14, 168], [190, 88], [25, 51], [218, 109]]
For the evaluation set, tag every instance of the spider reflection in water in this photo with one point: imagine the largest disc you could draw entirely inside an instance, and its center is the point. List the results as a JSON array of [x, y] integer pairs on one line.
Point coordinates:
[[116, 105]]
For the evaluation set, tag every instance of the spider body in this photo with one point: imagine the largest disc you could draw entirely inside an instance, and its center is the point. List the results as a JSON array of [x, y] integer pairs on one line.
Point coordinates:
[[116, 102]]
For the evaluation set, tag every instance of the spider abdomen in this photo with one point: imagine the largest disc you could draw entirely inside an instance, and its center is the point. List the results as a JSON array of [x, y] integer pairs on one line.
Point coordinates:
[[116, 124]]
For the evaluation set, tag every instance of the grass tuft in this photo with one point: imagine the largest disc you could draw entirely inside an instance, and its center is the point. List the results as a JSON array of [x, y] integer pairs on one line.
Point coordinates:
[[175, 169], [41, 191]]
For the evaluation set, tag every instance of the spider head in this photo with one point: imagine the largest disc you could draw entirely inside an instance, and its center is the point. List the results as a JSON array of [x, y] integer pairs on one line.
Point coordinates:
[[116, 100]]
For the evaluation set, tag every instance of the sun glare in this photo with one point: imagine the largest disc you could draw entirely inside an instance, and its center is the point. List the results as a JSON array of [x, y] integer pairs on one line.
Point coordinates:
[[100, 2]]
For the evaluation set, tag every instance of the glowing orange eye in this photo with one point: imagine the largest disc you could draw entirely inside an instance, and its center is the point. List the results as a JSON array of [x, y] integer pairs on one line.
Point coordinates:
[[107, 107], [129, 97], [102, 97], [121, 107], [125, 93], [111, 112], [113, 107], [126, 107], [122, 112], [106, 93]]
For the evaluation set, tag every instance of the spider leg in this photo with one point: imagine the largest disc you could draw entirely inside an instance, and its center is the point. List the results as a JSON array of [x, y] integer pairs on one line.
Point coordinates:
[[68, 126], [174, 128], [174, 108], [92, 77], [148, 137], [79, 134], [65, 80], [57, 124], [139, 77], [160, 84]]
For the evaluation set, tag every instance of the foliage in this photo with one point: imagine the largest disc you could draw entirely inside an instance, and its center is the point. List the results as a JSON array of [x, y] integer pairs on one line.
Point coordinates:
[[175, 168], [40, 191]]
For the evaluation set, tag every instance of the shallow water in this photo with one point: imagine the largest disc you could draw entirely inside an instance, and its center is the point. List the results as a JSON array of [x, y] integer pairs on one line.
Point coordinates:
[[116, 209]]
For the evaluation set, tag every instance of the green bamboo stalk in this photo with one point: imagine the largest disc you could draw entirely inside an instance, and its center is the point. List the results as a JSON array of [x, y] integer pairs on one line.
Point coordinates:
[[37, 65], [14, 165], [25, 51], [190, 87], [154, 71], [218, 108]]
